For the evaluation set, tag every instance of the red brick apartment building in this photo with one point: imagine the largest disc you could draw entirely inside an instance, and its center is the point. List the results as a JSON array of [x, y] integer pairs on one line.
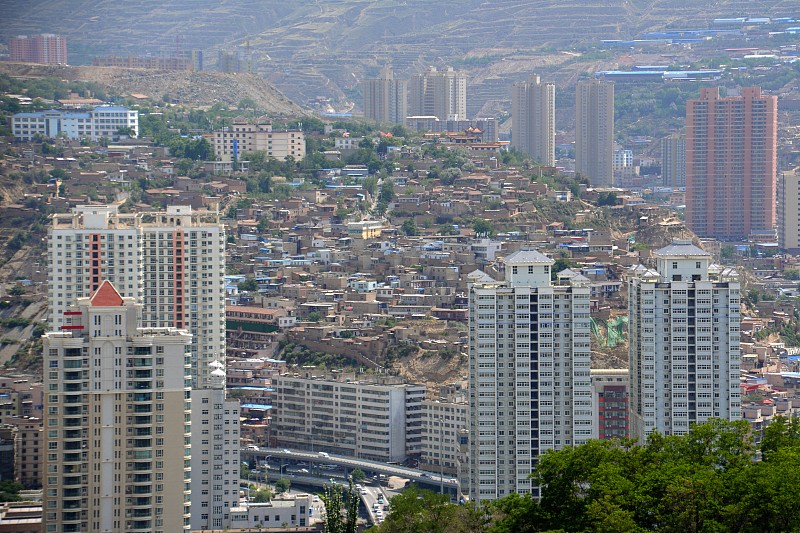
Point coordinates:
[[731, 163]]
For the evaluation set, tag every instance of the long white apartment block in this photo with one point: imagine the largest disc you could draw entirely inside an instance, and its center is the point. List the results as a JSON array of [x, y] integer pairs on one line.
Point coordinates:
[[118, 421], [529, 363], [379, 419], [683, 342]]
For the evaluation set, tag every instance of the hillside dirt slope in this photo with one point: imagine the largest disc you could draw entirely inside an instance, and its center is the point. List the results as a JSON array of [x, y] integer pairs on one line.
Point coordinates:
[[194, 88]]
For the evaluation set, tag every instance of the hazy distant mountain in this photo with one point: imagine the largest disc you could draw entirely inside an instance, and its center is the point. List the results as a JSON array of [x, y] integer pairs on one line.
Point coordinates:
[[324, 47]]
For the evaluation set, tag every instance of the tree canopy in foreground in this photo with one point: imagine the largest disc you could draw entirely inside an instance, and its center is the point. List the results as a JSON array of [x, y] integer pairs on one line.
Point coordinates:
[[711, 480]]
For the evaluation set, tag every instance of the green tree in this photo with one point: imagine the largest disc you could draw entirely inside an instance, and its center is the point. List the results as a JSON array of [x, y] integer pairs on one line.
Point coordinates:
[[483, 227], [409, 227], [793, 274], [416, 510], [282, 485], [261, 496], [387, 191], [249, 285], [607, 199], [341, 509], [9, 491], [358, 475], [314, 316]]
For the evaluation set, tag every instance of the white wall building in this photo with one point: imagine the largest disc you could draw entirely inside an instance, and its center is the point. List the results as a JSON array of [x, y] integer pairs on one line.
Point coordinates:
[[683, 345], [293, 511], [102, 121], [529, 359], [378, 419], [118, 421]]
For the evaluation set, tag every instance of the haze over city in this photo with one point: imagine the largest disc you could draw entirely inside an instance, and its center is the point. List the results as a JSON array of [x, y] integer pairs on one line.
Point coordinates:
[[399, 266]]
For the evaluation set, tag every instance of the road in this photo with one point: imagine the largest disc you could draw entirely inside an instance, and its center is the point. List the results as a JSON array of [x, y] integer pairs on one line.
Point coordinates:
[[420, 477]]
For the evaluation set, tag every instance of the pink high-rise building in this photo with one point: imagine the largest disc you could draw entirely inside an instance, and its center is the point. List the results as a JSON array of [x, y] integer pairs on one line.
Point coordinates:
[[731, 163], [45, 48]]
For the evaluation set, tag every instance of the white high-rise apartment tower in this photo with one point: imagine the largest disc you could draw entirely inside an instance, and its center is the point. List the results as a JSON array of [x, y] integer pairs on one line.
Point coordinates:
[[173, 263], [533, 112], [118, 421], [684, 343], [529, 364]]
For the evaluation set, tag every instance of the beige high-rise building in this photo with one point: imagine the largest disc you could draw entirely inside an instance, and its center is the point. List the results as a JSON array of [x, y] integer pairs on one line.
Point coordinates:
[[118, 421], [173, 263], [385, 98], [243, 137], [438, 93], [594, 131], [533, 112], [789, 211]]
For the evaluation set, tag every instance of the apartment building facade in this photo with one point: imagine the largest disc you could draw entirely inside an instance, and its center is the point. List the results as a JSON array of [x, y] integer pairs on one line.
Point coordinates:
[[385, 98], [118, 421], [533, 111], [529, 363], [45, 48], [594, 131], [378, 420], [243, 137], [673, 161], [683, 343], [731, 163], [438, 93], [445, 438], [101, 122], [610, 397], [788, 211], [173, 263]]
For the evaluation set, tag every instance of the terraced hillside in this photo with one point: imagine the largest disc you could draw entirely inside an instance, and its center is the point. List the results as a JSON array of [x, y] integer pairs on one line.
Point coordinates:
[[312, 48]]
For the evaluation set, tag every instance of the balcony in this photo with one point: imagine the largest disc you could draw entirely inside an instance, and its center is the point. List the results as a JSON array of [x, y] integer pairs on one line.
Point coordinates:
[[72, 469], [140, 432], [141, 397], [71, 458], [142, 501], [73, 376], [72, 433], [139, 489], [140, 467], [73, 445], [140, 454], [139, 525], [73, 387], [71, 481], [73, 411], [140, 478], [139, 513], [141, 420], [71, 493], [140, 443]]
